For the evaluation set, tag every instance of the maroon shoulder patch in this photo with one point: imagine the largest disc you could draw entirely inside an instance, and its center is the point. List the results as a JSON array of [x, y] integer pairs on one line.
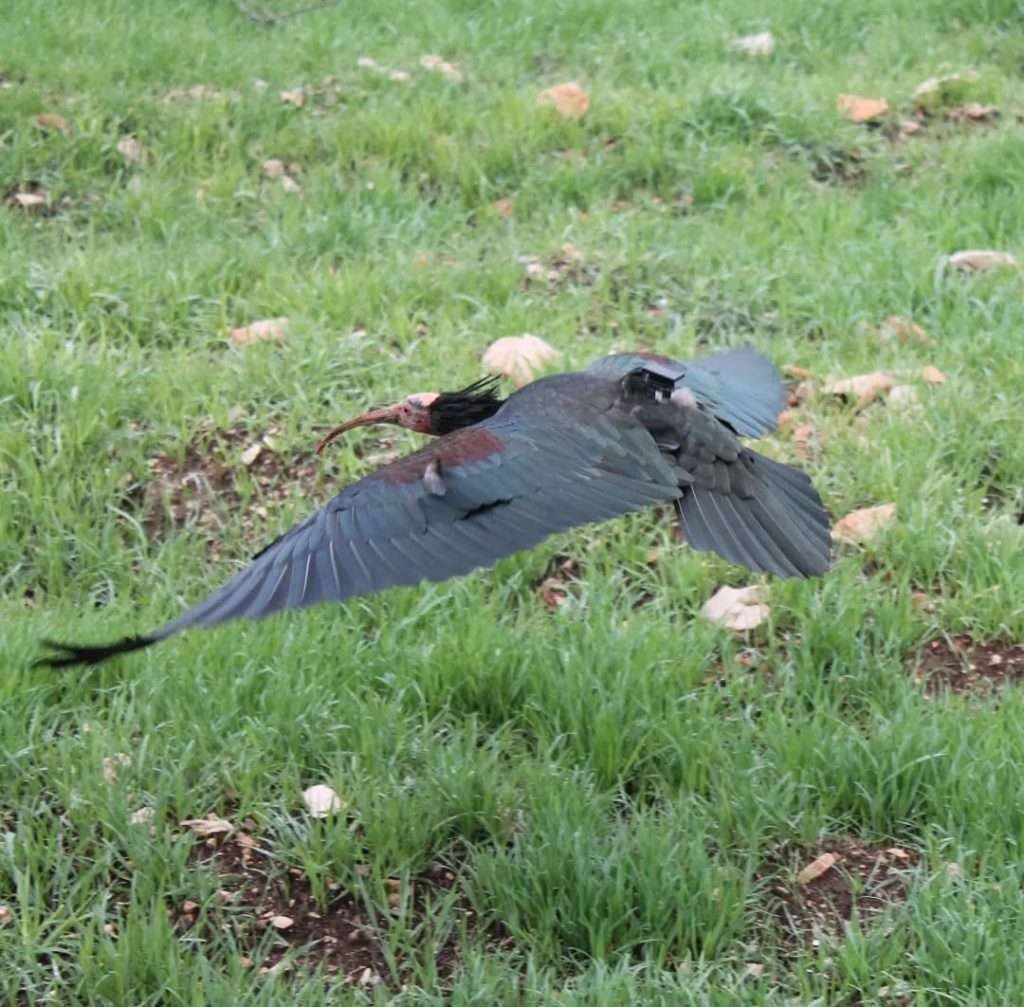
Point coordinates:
[[450, 451]]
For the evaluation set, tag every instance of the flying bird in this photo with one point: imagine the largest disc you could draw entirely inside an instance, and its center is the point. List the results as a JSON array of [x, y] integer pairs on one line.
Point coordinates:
[[631, 430]]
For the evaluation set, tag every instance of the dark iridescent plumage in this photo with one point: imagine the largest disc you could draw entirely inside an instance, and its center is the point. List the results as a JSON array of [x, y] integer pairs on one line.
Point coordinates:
[[563, 451]]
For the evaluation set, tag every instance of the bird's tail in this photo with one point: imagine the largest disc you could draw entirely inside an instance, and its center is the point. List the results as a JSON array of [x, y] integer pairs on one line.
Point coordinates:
[[67, 655], [781, 528]]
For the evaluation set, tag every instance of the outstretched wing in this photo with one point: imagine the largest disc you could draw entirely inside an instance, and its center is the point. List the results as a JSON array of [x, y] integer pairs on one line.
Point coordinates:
[[465, 501], [741, 387]]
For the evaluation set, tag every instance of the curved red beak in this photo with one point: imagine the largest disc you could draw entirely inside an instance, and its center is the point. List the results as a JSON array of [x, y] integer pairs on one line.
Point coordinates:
[[387, 414]]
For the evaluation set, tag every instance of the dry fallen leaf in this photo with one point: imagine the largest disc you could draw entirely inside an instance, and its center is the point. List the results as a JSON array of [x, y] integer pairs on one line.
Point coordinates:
[[977, 260], [504, 207], [858, 109], [251, 453], [972, 112], [322, 801], [569, 100], [288, 184], [213, 825], [816, 868], [51, 120], [447, 70], [739, 608], [273, 167], [296, 97], [755, 970], [5, 915], [863, 525], [266, 330], [131, 149], [33, 197], [863, 388], [112, 763], [932, 375], [761, 44], [281, 922], [518, 357], [903, 330], [141, 817]]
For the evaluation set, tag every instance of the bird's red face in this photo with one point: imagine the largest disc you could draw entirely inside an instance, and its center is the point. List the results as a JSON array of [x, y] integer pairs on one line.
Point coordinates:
[[433, 413]]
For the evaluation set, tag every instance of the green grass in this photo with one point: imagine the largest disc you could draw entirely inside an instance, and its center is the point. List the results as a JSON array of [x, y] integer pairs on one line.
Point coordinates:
[[612, 807]]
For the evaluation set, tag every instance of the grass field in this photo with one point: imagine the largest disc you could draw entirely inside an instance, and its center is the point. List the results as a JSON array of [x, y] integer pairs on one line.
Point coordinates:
[[599, 802]]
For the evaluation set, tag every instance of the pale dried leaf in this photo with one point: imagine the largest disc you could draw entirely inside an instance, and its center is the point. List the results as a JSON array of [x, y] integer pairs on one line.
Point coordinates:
[[369, 63], [903, 330], [760, 44], [972, 111], [266, 330], [131, 149], [28, 200], [143, 816], [447, 70], [518, 357], [864, 524], [504, 207], [213, 825], [189, 907], [803, 440], [816, 868], [51, 120], [6, 915], [977, 260], [569, 100], [251, 453], [859, 109], [284, 965], [399, 75], [932, 375], [862, 388], [755, 970], [273, 167], [112, 763], [110, 929], [290, 185], [322, 801], [296, 97], [281, 922], [735, 608]]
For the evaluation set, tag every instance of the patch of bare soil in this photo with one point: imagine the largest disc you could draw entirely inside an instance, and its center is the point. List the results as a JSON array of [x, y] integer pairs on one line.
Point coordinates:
[[959, 664], [815, 889], [347, 939], [566, 268], [203, 488], [555, 584], [839, 166]]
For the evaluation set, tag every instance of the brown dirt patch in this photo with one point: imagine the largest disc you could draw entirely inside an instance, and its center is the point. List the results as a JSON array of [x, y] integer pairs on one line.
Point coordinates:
[[565, 268], [815, 889], [226, 478], [839, 166], [959, 664], [270, 907], [555, 584]]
